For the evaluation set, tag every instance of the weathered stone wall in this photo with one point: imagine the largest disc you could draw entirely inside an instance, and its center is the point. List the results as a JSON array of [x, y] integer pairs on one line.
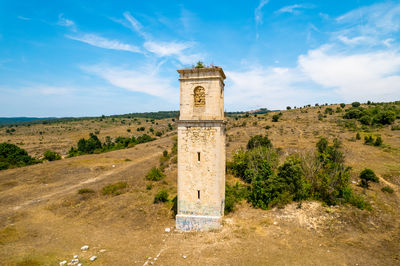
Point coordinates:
[[212, 82], [206, 175]]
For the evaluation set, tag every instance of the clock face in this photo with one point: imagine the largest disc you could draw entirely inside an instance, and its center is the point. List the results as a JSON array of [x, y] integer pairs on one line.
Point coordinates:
[[199, 96]]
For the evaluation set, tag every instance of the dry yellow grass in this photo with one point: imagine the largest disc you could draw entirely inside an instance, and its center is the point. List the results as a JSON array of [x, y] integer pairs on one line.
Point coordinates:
[[44, 220]]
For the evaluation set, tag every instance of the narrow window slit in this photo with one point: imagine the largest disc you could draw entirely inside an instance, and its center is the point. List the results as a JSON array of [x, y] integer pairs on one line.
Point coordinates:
[[198, 194], [198, 156]]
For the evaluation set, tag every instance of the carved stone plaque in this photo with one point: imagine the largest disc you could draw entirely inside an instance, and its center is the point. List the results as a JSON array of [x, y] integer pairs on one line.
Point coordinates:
[[199, 97]]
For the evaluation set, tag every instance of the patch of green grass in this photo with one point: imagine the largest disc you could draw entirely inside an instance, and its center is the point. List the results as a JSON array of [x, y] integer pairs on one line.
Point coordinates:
[[85, 191], [114, 189], [387, 189]]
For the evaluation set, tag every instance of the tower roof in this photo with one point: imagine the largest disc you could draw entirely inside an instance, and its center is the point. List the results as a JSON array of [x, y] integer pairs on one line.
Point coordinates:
[[202, 70]]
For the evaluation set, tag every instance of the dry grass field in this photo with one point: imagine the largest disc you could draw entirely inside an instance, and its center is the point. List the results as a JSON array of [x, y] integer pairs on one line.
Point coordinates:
[[44, 220]]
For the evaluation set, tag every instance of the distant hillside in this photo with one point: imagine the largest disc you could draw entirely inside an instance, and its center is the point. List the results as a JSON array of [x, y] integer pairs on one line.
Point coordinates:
[[150, 115], [11, 120]]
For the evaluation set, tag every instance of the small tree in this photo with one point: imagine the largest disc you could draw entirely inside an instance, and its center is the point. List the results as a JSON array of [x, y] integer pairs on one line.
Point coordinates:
[[51, 156], [342, 105], [378, 141], [161, 196], [200, 65], [155, 174], [355, 104], [275, 118], [366, 176], [288, 107]]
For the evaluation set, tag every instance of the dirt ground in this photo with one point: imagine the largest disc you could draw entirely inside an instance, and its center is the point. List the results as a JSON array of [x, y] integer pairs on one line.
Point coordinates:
[[43, 219]]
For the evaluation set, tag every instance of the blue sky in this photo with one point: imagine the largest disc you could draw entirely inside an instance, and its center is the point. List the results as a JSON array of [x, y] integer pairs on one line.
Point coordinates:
[[88, 58]]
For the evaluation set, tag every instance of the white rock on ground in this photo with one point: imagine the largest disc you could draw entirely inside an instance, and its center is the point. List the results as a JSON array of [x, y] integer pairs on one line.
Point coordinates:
[[75, 256], [93, 258], [85, 247], [63, 262], [167, 229], [102, 250]]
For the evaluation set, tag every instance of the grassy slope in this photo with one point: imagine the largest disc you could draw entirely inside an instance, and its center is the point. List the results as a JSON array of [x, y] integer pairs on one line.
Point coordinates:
[[44, 220]]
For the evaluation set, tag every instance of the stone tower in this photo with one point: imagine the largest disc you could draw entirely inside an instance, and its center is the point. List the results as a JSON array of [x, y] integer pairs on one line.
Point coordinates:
[[201, 149]]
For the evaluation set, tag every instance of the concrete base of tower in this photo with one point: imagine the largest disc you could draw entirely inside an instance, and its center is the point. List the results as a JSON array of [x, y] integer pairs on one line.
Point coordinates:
[[197, 222]]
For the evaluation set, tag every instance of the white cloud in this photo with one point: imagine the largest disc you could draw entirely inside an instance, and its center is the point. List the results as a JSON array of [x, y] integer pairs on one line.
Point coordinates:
[[66, 22], [166, 48], [134, 24], [145, 80], [258, 14], [101, 42], [352, 41], [366, 76], [293, 9], [23, 18], [374, 23], [272, 87]]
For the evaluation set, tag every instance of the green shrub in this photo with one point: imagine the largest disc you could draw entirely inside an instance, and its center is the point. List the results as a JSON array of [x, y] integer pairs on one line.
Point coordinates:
[[114, 189], [329, 111], [385, 118], [275, 118], [155, 174], [233, 195], [258, 140], [149, 186], [343, 105], [85, 191], [368, 140], [161, 196], [366, 176], [355, 104], [51, 156], [13, 156], [387, 189], [355, 200], [365, 120], [358, 136], [378, 141]]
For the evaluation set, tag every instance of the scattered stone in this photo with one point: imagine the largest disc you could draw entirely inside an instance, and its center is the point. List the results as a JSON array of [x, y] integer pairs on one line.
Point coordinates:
[[149, 258], [354, 182], [93, 258], [85, 247], [167, 230], [102, 250], [63, 262], [151, 262], [75, 261], [155, 258], [79, 264], [184, 257], [113, 165], [75, 256], [275, 223]]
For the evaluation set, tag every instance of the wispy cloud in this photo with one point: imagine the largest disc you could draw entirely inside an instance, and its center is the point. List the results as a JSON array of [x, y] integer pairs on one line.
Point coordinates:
[[175, 49], [62, 21], [101, 42], [365, 76], [293, 9], [23, 18], [258, 14], [374, 23], [135, 25], [145, 80]]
